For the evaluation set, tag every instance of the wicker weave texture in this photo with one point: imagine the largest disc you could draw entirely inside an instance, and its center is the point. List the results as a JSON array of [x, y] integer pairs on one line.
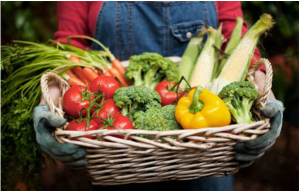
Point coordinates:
[[170, 155]]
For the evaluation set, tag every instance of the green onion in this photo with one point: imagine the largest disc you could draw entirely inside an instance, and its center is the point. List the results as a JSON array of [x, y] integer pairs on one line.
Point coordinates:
[[36, 59]]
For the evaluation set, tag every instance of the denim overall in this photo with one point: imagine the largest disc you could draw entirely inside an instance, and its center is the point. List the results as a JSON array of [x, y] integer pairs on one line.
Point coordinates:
[[131, 28]]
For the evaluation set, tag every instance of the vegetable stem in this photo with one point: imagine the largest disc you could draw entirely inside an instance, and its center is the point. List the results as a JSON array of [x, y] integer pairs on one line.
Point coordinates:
[[197, 104]]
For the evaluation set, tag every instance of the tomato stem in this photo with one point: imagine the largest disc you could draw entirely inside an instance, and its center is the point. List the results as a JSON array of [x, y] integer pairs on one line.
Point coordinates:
[[178, 84], [107, 122], [92, 104]]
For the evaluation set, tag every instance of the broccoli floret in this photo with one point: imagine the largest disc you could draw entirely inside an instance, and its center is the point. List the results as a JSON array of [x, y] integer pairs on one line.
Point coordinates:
[[239, 98], [135, 98], [148, 69], [135, 70], [157, 119]]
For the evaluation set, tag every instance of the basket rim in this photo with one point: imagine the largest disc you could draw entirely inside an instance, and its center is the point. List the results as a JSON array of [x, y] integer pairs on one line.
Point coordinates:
[[262, 124]]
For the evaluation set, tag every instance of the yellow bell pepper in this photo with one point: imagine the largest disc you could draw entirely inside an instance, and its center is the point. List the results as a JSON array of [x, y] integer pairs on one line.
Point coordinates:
[[201, 109]]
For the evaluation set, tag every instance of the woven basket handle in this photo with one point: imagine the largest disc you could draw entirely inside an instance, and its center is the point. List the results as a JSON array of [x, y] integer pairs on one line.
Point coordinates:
[[263, 99], [63, 87]]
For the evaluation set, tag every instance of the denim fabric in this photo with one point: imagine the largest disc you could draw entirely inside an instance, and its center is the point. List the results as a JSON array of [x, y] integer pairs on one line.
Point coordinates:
[[130, 28], [203, 184]]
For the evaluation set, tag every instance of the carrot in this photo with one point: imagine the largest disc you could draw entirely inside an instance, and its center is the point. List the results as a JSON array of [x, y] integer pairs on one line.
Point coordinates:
[[74, 59], [106, 72], [70, 73], [90, 73], [115, 73], [117, 64], [76, 81], [73, 80], [79, 72]]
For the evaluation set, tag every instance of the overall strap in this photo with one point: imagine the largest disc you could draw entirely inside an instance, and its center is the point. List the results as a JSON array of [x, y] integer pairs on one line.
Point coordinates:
[[131, 28]]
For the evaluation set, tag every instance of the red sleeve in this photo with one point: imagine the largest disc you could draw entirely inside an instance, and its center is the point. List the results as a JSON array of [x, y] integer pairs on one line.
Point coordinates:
[[227, 13], [72, 18]]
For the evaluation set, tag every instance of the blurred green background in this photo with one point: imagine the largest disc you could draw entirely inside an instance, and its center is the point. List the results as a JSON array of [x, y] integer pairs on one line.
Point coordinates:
[[278, 169]]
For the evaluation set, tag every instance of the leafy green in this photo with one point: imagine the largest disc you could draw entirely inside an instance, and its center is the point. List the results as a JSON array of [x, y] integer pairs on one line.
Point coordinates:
[[19, 150], [22, 66], [35, 60]]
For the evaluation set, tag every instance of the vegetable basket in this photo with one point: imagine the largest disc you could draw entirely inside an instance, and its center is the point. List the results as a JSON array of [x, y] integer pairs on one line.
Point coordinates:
[[170, 155]]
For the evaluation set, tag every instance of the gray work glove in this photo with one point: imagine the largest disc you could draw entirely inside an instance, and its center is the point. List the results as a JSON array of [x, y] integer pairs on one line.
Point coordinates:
[[44, 123], [247, 152]]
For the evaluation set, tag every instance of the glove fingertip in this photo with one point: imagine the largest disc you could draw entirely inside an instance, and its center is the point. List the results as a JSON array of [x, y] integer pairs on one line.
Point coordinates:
[[271, 109], [239, 146], [79, 163], [268, 111], [40, 108], [246, 164], [238, 157], [55, 120], [70, 148]]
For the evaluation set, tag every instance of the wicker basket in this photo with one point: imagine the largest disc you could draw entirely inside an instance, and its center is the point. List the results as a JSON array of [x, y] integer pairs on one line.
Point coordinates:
[[192, 154]]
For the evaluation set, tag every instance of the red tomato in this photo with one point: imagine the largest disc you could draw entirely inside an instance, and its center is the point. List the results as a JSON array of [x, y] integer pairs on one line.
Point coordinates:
[[107, 85], [167, 97], [82, 126], [75, 99], [109, 108], [120, 122]]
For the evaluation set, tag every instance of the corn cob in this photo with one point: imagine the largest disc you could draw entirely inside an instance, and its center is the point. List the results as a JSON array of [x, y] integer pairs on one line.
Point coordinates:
[[189, 57], [219, 39], [239, 61], [233, 42], [205, 63]]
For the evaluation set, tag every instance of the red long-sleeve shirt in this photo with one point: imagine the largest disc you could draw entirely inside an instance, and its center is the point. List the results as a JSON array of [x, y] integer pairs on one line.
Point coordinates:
[[79, 18]]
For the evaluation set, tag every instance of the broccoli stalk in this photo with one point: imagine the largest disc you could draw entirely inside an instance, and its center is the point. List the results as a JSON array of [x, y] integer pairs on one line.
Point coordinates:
[[149, 77], [133, 99], [134, 72], [239, 98], [128, 108]]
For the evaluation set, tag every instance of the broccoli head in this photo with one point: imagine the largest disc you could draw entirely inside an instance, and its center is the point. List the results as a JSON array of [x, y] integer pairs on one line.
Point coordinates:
[[148, 69], [135, 98], [157, 119], [239, 98]]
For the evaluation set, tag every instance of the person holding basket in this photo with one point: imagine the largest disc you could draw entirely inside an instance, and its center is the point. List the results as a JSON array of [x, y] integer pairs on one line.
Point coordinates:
[[131, 28]]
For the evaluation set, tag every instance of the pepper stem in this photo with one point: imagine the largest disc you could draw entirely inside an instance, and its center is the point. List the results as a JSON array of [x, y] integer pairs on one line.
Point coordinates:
[[197, 105]]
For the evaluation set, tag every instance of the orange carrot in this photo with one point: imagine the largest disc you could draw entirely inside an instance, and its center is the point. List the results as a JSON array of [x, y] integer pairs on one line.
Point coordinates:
[[121, 69], [79, 72], [117, 64], [115, 73], [76, 81], [75, 59], [70, 73], [73, 80], [106, 72], [90, 73]]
